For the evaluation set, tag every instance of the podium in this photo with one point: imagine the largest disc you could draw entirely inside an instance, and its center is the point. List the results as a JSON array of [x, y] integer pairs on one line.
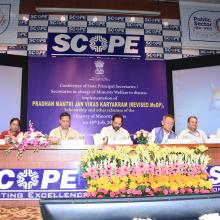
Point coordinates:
[[158, 207]]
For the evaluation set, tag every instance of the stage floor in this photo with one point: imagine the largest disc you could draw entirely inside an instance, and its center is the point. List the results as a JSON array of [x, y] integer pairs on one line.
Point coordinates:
[[20, 213]]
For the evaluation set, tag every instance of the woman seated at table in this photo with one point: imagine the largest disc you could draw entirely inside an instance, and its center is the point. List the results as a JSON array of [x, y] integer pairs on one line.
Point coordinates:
[[14, 129]]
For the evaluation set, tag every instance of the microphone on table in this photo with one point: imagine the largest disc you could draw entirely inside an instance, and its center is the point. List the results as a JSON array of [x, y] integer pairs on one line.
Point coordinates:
[[105, 140]]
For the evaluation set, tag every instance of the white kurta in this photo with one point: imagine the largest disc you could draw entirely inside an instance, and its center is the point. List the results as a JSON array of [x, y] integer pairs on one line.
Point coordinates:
[[120, 136]]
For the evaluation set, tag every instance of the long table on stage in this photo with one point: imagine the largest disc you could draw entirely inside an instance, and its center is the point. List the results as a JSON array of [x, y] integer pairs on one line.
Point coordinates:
[[57, 157]]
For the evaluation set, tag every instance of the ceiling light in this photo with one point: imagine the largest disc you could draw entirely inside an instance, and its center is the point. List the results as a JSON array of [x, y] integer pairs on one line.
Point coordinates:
[[95, 19], [97, 11], [165, 23], [132, 19], [62, 18], [24, 18]]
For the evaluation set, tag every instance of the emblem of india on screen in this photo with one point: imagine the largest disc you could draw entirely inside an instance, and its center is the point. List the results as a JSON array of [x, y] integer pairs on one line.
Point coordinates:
[[99, 71]]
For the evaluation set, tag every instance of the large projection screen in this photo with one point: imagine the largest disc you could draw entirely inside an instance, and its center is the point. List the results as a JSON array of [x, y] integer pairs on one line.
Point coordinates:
[[197, 92], [13, 89], [194, 89], [10, 94]]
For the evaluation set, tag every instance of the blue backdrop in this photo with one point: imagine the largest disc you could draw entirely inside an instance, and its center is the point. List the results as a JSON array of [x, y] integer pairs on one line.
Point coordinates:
[[92, 90]]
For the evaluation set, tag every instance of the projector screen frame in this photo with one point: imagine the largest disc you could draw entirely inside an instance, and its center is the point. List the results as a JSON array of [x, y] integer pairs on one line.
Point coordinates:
[[22, 62], [186, 63]]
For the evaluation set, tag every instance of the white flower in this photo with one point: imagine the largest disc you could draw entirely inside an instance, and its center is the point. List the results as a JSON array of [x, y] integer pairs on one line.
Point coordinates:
[[145, 134], [20, 137], [211, 216], [141, 132], [138, 133]]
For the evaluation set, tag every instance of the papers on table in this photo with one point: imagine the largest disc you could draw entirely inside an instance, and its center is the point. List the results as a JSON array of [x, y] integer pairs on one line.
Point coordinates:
[[2, 141], [74, 144]]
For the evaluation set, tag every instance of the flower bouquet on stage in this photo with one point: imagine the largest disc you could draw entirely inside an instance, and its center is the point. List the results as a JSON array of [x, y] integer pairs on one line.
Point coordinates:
[[31, 138], [142, 137], [145, 170]]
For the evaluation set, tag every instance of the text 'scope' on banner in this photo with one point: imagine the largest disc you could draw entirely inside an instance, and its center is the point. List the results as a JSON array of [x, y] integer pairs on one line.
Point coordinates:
[[105, 45], [92, 90]]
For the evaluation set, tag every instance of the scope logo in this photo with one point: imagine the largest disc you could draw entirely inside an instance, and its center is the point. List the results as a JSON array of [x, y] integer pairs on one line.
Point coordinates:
[[41, 179], [217, 24], [27, 179], [95, 45], [4, 17]]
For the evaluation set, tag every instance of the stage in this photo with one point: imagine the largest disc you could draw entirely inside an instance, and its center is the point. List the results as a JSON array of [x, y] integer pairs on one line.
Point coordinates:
[[61, 160], [57, 161]]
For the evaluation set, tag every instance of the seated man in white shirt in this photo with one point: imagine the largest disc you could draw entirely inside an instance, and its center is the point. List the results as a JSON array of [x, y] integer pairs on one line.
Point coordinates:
[[115, 134], [161, 135], [192, 133], [64, 131]]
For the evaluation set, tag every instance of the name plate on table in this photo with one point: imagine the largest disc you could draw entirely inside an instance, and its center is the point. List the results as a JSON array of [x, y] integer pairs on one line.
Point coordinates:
[[213, 140], [119, 142], [179, 141], [74, 144]]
